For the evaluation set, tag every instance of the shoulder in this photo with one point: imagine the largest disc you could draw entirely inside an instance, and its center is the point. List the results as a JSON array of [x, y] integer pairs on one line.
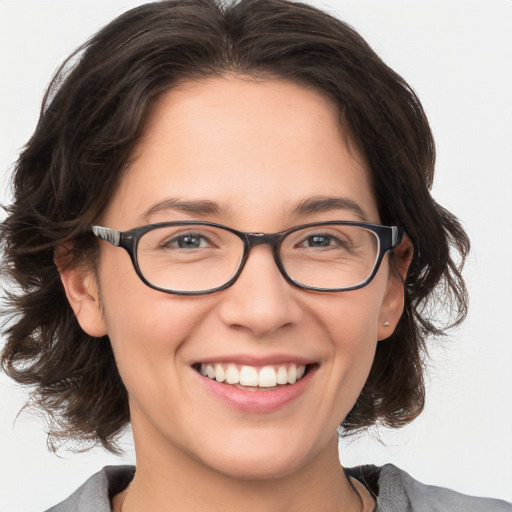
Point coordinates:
[[95, 494], [397, 491]]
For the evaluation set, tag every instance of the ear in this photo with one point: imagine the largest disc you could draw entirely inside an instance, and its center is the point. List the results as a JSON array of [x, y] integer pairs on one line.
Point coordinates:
[[393, 304], [82, 292]]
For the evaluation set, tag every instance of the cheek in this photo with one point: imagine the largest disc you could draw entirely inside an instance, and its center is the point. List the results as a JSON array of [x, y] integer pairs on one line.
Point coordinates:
[[352, 325], [352, 320], [145, 327], [149, 325], [355, 342]]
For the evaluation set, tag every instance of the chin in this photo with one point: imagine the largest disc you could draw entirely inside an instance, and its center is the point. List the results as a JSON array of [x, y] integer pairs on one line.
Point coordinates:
[[255, 459], [258, 468]]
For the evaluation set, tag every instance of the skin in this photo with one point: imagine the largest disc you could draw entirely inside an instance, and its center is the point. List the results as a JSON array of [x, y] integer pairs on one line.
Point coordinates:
[[257, 149]]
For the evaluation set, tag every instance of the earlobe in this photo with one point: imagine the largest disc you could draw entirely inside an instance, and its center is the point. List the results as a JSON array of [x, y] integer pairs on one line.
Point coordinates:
[[393, 303], [82, 292]]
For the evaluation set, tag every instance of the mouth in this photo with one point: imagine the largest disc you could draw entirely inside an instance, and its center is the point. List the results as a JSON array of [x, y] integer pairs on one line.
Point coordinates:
[[254, 378]]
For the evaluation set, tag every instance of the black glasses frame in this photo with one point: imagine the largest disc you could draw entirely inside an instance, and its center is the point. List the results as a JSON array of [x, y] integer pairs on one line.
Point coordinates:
[[389, 237]]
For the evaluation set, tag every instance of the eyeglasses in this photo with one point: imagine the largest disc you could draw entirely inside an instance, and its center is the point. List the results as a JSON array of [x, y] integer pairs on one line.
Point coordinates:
[[196, 258]]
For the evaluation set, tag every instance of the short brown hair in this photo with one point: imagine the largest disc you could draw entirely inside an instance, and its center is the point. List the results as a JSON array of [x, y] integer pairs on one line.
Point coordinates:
[[93, 115]]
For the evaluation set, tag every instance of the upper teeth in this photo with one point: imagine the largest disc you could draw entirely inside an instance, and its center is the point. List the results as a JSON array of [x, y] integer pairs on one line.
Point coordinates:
[[265, 377]]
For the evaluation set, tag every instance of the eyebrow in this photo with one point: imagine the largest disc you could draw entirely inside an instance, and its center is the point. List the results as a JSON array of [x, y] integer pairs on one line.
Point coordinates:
[[205, 207], [199, 208], [322, 204]]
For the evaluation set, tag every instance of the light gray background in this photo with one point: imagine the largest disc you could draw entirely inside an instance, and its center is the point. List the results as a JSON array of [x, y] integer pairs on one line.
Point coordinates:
[[457, 56]]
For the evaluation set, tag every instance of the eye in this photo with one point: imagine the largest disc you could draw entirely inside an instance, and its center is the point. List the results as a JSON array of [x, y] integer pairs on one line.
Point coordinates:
[[318, 241], [186, 241], [322, 240]]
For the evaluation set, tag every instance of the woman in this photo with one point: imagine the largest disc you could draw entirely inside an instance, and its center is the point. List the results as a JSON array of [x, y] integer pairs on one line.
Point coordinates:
[[240, 326]]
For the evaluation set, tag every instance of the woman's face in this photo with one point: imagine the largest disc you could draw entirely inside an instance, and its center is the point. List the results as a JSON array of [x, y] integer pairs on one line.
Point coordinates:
[[245, 154]]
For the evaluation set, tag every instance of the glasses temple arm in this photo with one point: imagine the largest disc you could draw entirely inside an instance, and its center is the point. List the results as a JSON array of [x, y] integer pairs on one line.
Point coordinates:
[[397, 235], [109, 235]]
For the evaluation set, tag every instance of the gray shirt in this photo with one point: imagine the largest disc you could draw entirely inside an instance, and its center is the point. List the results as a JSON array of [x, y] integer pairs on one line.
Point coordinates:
[[394, 489]]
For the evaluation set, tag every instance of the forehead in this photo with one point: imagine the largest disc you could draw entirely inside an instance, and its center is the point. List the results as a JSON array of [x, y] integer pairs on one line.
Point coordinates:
[[248, 145]]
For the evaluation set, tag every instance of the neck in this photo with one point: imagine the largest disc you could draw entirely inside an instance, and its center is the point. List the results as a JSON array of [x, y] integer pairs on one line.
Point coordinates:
[[172, 480]]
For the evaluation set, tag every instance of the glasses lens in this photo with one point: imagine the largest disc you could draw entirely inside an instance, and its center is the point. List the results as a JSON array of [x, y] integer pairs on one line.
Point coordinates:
[[330, 256], [189, 258]]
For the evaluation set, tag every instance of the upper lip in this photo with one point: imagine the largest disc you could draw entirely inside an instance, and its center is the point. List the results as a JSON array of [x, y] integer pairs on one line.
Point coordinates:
[[256, 360]]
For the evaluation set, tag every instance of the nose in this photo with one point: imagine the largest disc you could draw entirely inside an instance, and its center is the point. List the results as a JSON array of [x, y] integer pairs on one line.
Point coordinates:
[[261, 301]]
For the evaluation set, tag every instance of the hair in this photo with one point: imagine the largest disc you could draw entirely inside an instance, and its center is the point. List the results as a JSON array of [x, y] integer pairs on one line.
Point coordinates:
[[94, 113]]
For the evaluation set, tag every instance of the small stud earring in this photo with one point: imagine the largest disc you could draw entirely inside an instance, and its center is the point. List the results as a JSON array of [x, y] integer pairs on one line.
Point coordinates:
[[387, 324]]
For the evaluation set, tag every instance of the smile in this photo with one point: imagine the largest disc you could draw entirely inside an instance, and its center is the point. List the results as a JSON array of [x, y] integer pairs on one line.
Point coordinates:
[[251, 376]]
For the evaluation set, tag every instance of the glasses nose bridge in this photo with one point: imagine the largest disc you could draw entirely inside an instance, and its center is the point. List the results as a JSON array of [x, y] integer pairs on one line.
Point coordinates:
[[254, 239], [272, 240]]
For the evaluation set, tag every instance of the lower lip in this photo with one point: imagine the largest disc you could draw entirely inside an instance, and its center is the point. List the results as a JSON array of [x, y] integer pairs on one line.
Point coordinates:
[[258, 401]]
